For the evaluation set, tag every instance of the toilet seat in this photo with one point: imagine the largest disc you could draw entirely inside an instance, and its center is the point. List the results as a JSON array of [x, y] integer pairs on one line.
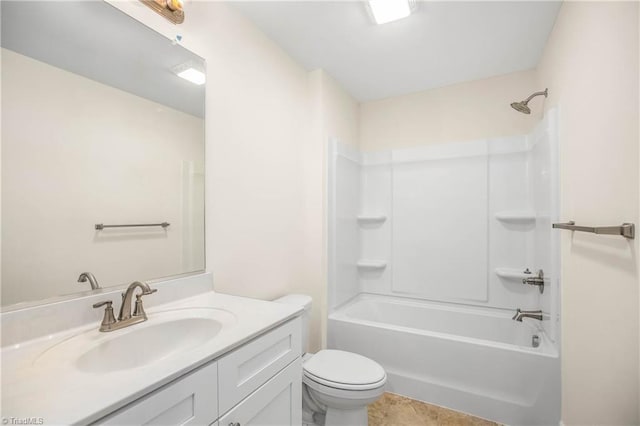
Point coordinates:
[[343, 370], [323, 385]]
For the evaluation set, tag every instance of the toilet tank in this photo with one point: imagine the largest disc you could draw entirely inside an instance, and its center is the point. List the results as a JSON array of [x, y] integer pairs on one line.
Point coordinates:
[[303, 301]]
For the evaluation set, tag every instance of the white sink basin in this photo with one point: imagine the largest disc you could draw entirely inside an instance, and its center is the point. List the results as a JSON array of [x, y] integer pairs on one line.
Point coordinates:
[[164, 334]]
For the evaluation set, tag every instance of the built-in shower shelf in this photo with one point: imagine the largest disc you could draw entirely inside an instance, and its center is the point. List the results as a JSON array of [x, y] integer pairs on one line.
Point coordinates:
[[371, 220], [369, 264], [512, 274], [516, 216]]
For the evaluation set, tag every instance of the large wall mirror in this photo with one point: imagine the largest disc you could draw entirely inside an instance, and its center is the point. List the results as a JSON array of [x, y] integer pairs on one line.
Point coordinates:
[[98, 127]]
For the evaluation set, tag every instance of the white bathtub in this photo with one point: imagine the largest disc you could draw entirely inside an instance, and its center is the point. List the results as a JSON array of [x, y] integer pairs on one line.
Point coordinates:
[[470, 359]]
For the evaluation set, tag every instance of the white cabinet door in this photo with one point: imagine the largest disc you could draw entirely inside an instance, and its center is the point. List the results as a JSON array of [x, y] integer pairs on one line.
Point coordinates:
[[250, 366], [190, 400], [278, 402]]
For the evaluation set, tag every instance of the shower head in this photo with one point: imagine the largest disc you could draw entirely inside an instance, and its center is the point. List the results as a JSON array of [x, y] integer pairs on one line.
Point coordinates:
[[522, 105]]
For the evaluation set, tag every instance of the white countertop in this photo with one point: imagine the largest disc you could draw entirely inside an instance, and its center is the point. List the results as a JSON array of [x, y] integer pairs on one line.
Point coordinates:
[[62, 394]]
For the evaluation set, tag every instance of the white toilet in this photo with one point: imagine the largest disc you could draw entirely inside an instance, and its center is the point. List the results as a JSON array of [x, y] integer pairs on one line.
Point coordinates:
[[337, 385]]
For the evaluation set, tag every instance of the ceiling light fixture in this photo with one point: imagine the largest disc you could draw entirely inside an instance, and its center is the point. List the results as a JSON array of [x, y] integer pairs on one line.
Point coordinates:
[[384, 11], [193, 75], [190, 73]]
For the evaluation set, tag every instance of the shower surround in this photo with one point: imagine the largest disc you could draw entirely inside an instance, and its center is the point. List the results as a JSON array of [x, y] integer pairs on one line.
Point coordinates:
[[428, 248]]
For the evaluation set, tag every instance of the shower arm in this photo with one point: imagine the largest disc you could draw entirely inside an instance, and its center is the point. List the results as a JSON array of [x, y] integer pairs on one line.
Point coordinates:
[[544, 92]]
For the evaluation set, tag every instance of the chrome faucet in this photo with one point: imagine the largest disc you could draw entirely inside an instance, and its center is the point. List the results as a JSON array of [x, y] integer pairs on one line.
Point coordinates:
[[125, 318], [527, 314], [92, 280]]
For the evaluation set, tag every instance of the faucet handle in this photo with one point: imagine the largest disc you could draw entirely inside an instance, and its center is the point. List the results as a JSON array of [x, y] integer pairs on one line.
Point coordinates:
[[138, 310], [109, 318]]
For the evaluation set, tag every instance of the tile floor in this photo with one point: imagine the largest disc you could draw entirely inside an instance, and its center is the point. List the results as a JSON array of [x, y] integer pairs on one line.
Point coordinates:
[[396, 410]]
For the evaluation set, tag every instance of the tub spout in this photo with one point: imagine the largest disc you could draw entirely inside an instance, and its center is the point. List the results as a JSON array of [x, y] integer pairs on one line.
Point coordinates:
[[537, 315]]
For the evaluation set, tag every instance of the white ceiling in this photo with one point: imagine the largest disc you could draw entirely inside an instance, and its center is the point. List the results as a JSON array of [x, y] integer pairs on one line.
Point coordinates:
[[440, 44]]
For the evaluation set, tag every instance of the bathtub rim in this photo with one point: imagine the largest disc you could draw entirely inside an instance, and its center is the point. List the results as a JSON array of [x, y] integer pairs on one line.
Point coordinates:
[[547, 347]]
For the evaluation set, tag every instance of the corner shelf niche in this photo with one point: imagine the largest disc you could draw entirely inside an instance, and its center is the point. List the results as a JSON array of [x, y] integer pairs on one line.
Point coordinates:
[[516, 216], [371, 265]]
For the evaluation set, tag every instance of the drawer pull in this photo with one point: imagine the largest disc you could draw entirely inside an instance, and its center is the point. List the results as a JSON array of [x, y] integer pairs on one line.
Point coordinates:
[[234, 424]]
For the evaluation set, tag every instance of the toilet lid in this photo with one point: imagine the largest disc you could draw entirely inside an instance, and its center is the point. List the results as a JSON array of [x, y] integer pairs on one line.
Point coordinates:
[[343, 368]]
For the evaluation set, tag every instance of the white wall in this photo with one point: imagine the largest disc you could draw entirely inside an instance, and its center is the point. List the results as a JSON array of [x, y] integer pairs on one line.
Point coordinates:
[[590, 65], [258, 118], [334, 116], [461, 112], [76, 153], [340, 111]]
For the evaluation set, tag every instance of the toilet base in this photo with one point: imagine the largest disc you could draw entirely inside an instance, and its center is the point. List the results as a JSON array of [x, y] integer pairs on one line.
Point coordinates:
[[338, 417], [321, 409]]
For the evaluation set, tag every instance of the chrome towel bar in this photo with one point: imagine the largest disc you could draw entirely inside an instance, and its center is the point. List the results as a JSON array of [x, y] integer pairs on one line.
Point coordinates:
[[100, 226], [627, 230]]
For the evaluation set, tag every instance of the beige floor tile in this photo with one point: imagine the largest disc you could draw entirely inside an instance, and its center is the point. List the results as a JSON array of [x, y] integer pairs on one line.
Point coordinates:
[[396, 410]]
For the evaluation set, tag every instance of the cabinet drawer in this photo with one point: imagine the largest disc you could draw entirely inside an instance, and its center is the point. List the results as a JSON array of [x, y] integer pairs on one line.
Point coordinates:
[[191, 400], [277, 402], [250, 366]]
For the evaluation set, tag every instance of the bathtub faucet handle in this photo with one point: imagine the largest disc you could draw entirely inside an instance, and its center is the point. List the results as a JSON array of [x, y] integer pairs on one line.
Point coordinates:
[[537, 280]]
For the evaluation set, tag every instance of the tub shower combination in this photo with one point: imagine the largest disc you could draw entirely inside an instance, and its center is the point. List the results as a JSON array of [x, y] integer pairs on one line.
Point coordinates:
[[443, 268]]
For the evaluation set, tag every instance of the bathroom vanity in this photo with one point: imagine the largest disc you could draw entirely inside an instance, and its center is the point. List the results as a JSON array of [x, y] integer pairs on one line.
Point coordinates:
[[258, 382], [201, 358]]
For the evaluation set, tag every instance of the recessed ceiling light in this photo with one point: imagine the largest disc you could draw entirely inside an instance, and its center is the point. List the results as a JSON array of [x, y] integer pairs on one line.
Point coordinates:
[[193, 75], [190, 73], [384, 11]]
